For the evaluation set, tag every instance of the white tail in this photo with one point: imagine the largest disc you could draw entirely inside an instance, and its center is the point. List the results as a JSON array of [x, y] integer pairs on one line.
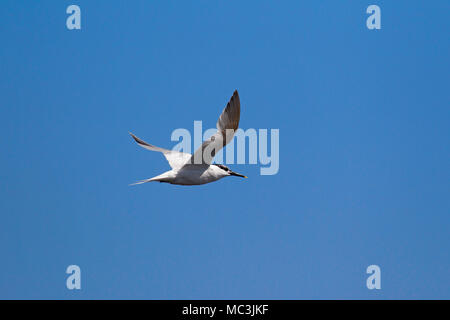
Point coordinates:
[[141, 182], [165, 177]]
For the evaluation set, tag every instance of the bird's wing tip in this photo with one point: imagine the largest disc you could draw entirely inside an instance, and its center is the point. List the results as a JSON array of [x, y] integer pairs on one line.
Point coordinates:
[[139, 141]]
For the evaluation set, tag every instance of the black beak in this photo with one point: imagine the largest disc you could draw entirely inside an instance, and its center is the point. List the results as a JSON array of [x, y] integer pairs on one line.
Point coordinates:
[[237, 174]]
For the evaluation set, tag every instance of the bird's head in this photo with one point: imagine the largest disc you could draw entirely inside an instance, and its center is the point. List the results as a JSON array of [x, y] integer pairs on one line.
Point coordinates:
[[228, 172]]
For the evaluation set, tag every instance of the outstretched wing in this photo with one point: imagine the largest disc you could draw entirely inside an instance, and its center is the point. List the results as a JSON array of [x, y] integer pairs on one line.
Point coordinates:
[[226, 126], [176, 159]]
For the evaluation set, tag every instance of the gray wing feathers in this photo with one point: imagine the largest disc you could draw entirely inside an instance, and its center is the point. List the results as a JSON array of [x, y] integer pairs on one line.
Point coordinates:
[[229, 119], [227, 124]]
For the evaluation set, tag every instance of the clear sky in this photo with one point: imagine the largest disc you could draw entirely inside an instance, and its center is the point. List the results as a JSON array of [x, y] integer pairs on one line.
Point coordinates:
[[364, 149]]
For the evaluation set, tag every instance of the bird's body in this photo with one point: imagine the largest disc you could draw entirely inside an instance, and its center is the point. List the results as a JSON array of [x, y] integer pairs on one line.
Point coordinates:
[[191, 174], [198, 169]]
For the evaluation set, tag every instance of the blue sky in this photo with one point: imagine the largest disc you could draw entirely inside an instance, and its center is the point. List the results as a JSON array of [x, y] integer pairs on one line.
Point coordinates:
[[364, 149]]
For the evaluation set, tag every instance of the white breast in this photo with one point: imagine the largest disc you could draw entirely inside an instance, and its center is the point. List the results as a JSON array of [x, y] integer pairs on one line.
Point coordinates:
[[198, 174]]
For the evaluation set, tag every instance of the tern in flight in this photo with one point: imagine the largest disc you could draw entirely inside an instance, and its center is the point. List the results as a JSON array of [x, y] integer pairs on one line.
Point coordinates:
[[198, 168]]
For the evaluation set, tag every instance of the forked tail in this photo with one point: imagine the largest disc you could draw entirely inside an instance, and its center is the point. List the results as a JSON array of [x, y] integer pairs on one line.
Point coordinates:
[[142, 181], [165, 177]]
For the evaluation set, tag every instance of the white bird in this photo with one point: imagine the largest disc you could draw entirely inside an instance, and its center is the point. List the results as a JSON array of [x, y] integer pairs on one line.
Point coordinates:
[[198, 168]]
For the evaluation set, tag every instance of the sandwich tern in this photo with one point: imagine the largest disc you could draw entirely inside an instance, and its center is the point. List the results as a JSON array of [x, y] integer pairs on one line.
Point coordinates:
[[198, 168]]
